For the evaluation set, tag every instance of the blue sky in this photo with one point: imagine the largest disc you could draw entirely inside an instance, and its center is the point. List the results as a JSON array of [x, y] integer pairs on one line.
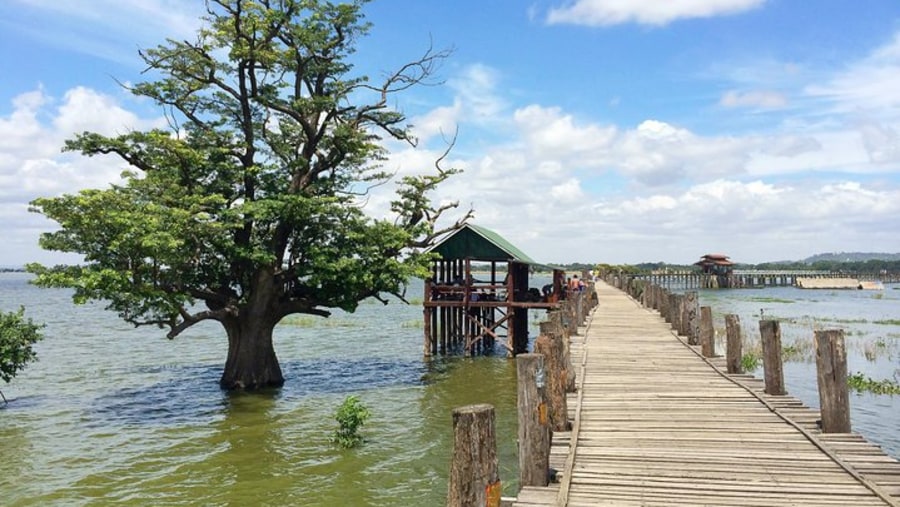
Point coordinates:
[[617, 131]]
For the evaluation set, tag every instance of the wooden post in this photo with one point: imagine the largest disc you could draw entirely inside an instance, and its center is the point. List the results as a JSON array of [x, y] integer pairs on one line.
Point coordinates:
[[557, 332], [551, 348], [671, 306], [474, 475], [676, 313], [834, 393], [534, 421], [770, 333], [693, 318], [707, 333], [733, 348]]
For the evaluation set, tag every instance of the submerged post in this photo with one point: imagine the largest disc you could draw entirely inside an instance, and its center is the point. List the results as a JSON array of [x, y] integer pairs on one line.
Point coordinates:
[[707, 333], [733, 347], [834, 393], [534, 423], [770, 333], [474, 476]]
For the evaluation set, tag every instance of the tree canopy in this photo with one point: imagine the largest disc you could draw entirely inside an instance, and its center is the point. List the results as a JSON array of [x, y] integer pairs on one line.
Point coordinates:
[[17, 335], [250, 206]]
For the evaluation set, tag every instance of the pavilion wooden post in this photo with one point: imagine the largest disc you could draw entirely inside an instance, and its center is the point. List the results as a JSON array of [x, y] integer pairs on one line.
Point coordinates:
[[733, 348], [534, 421], [707, 333], [834, 393], [474, 475], [426, 315], [770, 334]]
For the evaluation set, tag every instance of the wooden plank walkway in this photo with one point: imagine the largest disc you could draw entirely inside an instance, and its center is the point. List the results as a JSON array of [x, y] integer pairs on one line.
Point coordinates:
[[656, 424]]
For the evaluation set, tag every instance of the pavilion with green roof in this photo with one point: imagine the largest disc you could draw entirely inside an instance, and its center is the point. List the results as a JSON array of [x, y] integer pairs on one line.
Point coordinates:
[[478, 294]]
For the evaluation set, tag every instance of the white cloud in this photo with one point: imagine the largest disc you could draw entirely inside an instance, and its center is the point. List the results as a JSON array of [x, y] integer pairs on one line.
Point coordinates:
[[31, 164], [645, 12], [869, 84], [758, 99]]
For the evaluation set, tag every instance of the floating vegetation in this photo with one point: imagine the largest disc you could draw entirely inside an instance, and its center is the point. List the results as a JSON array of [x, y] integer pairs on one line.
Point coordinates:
[[413, 324], [845, 321], [887, 322], [312, 321], [864, 384], [879, 295], [873, 350], [770, 300], [415, 301]]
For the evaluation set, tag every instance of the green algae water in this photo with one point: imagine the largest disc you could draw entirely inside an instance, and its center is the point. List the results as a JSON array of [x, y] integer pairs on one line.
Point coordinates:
[[115, 415]]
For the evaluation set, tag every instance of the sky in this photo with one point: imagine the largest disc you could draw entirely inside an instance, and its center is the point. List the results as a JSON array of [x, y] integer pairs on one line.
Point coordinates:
[[616, 131]]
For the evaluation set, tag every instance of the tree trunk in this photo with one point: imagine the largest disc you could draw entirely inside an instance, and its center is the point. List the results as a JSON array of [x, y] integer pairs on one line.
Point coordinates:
[[251, 362]]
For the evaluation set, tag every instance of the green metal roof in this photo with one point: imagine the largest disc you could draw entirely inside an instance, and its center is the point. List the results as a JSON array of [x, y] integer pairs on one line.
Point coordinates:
[[478, 243]]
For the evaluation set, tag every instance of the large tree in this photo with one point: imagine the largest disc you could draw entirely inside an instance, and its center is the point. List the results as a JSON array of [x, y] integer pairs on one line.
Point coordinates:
[[249, 208]]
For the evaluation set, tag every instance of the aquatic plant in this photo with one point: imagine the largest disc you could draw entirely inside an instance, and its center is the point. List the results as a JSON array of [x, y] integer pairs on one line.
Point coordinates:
[[888, 322], [750, 361], [350, 416], [862, 383]]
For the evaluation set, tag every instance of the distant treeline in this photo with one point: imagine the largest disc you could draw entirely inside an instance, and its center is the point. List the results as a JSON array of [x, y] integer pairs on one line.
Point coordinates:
[[867, 266]]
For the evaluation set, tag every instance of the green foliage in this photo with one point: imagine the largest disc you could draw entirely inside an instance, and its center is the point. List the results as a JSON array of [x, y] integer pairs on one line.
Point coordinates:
[[17, 335], [350, 416], [750, 361], [250, 207], [862, 383]]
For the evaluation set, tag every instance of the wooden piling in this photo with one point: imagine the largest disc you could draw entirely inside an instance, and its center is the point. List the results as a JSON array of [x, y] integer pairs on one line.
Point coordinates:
[[834, 393], [692, 319], [770, 334], [554, 328], [551, 348], [707, 333], [733, 347], [534, 420], [474, 470]]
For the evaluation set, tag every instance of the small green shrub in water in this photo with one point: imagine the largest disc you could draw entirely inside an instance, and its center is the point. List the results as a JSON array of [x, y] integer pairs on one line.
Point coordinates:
[[750, 361], [351, 415], [863, 384]]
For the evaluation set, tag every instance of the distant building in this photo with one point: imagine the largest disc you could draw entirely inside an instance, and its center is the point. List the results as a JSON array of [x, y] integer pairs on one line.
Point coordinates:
[[715, 264]]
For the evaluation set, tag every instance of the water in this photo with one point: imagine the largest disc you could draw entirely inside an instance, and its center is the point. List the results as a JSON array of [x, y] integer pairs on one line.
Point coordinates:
[[871, 324], [111, 414]]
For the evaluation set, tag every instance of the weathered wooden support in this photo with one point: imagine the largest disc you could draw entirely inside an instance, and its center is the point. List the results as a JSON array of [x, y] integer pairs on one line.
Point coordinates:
[[733, 346], [770, 335], [834, 393], [553, 328], [677, 313], [693, 317], [554, 363], [534, 420], [474, 470], [671, 307], [707, 333]]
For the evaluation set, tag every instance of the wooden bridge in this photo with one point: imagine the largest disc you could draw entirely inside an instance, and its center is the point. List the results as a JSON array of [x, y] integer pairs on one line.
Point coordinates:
[[655, 423]]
